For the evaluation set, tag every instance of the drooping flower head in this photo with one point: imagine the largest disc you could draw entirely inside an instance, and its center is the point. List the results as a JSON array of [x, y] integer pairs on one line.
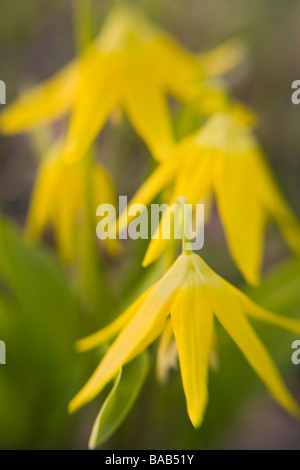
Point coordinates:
[[132, 65], [189, 295], [224, 159], [59, 199]]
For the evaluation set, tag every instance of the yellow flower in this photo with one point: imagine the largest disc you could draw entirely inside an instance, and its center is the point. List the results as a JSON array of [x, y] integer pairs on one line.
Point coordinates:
[[131, 65], [190, 294], [224, 159], [59, 196]]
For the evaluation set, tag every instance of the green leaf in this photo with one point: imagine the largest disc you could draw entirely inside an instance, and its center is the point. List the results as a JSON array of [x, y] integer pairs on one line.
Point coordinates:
[[39, 322], [120, 400]]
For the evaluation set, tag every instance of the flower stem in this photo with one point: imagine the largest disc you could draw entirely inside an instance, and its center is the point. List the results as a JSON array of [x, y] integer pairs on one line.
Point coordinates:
[[186, 225], [91, 276], [82, 12]]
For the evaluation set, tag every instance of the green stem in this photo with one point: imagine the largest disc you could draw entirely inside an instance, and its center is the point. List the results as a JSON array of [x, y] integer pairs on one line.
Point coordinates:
[[186, 225], [91, 278], [83, 34]]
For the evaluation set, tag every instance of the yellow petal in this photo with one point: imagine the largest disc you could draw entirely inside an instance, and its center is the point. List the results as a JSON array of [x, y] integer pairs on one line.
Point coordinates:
[[97, 95], [65, 213], [223, 58], [104, 190], [156, 248], [43, 103], [276, 205], [288, 224], [243, 115], [148, 110], [104, 193], [241, 212], [255, 311], [51, 201], [138, 334], [194, 182], [158, 245], [212, 97], [192, 322], [156, 182], [43, 193], [194, 178], [246, 193], [230, 315], [235, 186], [178, 71], [109, 332]]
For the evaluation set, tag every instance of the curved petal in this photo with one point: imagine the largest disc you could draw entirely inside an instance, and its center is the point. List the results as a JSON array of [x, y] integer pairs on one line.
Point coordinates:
[[104, 193], [194, 177], [275, 204], [255, 311], [192, 322], [97, 95], [147, 109], [224, 57], [178, 71], [156, 182], [42, 197], [43, 103], [159, 242], [227, 310], [65, 212], [241, 212], [138, 334]]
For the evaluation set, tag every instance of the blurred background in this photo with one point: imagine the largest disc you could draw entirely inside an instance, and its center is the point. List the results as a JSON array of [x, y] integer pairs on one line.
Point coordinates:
[[42, 372]]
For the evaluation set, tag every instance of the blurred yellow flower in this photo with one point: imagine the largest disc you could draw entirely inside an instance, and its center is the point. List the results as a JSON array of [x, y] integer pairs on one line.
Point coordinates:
[[131, 65], [191, 293], [59, 196], [224, 159]]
